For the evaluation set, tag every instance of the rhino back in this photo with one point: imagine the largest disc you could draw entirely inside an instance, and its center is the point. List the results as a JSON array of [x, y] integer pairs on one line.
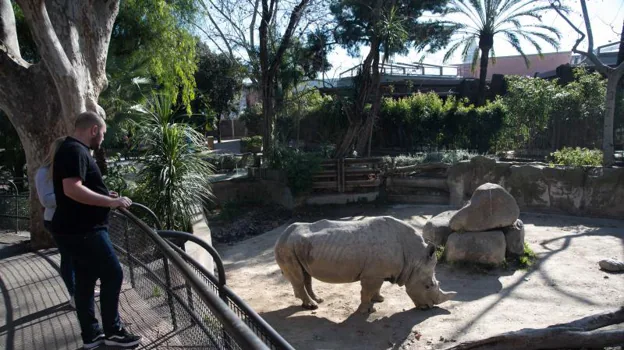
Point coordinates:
[[347, 251]]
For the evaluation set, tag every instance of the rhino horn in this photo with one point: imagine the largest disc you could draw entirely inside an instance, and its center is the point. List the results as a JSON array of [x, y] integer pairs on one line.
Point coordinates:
[[445, 296]]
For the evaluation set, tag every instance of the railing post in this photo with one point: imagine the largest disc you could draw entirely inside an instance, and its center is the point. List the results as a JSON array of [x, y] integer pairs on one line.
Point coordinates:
[[169, 293], [130, 264], [16, 206]]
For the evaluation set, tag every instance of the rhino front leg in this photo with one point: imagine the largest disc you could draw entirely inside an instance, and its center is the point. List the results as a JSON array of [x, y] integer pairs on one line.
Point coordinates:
[[370, 289]]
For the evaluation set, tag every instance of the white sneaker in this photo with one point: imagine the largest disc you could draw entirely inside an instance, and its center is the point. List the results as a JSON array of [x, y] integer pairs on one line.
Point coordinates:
[[72, 302]]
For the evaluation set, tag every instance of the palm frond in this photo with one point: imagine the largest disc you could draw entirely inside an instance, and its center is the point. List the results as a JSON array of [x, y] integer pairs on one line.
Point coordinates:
[[515, 42], [475, 59]]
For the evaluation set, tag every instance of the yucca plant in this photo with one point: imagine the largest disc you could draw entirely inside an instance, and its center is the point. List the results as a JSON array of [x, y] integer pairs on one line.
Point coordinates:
[[479, 22], [173, 177]]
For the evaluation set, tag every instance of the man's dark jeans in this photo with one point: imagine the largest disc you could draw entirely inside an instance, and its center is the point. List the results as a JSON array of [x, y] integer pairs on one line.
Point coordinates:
[[94, 259], [67, 265]]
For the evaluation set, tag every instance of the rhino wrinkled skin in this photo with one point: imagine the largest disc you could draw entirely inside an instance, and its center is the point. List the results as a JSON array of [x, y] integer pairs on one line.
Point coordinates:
[[372, 250]]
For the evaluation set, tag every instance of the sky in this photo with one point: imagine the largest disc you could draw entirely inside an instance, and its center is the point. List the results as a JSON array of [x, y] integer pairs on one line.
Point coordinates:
[[606, 17]]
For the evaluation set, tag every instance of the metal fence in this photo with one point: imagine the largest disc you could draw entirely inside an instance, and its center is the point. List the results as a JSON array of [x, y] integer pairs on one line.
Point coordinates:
[[14, 206], [195, 307]]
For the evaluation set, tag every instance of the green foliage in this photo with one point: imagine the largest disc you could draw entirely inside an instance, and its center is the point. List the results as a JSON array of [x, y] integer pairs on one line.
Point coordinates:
[[156, 292], [154, 31], [479, 23], [251, 142], [299, 166], [439, 252], [219, 80], [358, 25], [427, 119], [253, 119], [173, 179], [577, 157], [527, 258], [545, 115], [447, 157], [119, 176]]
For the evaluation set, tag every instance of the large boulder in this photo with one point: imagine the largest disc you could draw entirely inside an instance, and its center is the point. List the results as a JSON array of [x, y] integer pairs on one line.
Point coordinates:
[[476, 247], [490, 207], [438, 228], [514, 236]]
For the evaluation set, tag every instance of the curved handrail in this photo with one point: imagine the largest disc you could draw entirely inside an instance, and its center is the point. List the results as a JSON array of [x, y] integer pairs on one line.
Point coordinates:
[[202, 243], [150, 212], [229, 295], [235, 327]]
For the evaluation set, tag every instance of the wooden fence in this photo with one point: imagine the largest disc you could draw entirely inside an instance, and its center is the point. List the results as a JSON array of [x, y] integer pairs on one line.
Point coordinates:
[[348, 174]]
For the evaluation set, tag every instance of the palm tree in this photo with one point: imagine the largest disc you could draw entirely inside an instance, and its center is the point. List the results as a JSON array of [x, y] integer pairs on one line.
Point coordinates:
[[173, 179], [479, 22]]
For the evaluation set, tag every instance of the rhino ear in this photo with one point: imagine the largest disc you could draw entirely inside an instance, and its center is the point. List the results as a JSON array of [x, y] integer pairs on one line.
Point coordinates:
[[431, 249]]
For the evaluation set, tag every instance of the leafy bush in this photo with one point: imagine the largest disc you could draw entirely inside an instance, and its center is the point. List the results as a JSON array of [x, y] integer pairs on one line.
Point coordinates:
[[251, 142], [577, 157], [428, 120], [174, 180], [542, 114], [299, 166], [252, 117], [119, 176]]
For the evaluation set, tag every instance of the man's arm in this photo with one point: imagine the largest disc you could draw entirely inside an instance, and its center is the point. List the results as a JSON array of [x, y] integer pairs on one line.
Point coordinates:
[[73, 188]]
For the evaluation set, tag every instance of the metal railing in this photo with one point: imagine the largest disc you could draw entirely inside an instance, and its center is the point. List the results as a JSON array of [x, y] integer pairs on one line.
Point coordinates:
[[196, 306], [14, 207]]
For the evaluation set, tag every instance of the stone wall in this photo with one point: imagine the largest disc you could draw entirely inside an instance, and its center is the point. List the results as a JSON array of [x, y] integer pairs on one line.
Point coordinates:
[[578, 191], [245, 190]]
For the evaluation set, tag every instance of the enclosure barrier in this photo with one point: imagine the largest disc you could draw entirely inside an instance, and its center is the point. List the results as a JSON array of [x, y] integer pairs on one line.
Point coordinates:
[[348, 174], [187, 305]]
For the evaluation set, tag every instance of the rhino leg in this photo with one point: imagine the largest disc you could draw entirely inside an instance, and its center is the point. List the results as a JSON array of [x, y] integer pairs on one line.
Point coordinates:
[[370, 289], [307, 279], [295, 275]]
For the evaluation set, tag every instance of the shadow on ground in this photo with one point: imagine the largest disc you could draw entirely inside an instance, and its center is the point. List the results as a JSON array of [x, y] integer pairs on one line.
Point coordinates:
[[385, 332]]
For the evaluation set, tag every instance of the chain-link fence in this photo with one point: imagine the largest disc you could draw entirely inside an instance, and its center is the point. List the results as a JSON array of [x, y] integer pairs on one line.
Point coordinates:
[[188, 303], [14, 207]]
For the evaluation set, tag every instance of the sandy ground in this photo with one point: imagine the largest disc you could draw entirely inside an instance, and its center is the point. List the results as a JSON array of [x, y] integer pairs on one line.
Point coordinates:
[[563, 285]]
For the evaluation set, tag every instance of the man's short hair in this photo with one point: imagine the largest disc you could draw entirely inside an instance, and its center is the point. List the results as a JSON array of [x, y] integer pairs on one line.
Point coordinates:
[[87, 119]]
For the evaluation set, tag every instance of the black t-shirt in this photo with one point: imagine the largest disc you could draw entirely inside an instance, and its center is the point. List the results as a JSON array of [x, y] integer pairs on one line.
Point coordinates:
[[74, 160]]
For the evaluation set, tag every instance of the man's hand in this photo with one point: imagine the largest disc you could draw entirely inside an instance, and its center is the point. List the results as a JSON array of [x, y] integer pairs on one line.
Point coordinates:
[[121, 202]]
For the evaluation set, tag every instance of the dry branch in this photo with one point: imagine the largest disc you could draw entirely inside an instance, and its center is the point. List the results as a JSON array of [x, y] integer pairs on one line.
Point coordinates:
[[575, 335]]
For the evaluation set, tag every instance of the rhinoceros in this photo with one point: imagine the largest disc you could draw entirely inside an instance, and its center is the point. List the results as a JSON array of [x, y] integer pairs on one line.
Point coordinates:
[[372, 250]]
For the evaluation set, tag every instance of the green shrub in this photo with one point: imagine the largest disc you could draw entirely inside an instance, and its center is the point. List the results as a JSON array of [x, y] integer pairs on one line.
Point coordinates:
[[528, 257], [577, 157], [299, 166], [251, 142]]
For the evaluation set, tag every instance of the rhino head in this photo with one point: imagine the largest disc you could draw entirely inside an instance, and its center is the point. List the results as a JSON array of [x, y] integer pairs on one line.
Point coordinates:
[[422, 286]]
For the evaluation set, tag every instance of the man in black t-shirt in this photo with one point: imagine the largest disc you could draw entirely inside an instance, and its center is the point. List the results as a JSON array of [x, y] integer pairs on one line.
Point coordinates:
[[80, 224]]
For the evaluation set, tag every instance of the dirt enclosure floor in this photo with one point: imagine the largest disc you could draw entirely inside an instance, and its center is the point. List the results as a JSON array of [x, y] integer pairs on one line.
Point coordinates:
[[563, 285]]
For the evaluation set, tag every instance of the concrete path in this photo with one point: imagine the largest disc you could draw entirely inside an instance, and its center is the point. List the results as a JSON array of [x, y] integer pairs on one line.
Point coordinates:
[[34, 313]]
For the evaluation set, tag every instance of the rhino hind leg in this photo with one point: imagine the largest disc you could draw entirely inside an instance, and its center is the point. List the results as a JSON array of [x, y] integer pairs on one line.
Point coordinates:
[[295, 275], [370, 290], [307, 279]]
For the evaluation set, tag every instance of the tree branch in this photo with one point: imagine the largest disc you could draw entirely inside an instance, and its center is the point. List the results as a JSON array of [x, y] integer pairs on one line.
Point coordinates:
[[12, 70], [601, 67], [227, 44], [48, 43], [252, 26], [8, 30], [295, 16]]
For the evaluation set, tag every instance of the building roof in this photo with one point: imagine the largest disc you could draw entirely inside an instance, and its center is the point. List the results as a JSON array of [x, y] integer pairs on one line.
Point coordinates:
[[515, 65]]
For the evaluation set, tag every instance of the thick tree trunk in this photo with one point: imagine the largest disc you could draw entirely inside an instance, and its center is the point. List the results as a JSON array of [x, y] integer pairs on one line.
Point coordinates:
[[366, 134], [43, 100], [576, 335], [483, 67], [607, 137]]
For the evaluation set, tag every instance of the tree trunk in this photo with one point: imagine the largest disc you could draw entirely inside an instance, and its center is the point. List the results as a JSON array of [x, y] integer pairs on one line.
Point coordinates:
[[366, 134], [483, 67], [607, 137], [577, 334], [42, 100]]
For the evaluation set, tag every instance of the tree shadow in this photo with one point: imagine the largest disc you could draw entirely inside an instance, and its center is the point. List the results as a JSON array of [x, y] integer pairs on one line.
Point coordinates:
[[307, 331]]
